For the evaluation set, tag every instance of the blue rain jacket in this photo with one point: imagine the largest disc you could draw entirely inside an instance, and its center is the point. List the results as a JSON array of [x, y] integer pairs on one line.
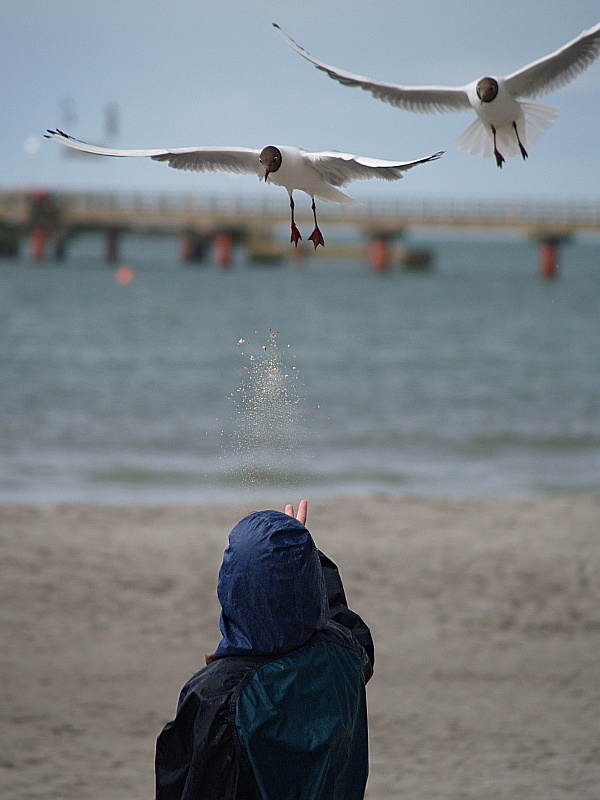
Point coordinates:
[[281, 712]]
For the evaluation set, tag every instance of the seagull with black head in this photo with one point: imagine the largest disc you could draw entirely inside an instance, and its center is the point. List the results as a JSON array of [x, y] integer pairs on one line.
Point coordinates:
[[316, 174], [505, 123]]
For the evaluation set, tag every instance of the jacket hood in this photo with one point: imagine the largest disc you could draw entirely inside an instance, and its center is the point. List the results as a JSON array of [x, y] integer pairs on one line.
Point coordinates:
[[271, 586]]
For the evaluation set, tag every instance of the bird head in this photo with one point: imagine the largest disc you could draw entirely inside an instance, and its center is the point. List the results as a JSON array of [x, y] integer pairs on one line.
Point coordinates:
[[270, 158], [487, 89]]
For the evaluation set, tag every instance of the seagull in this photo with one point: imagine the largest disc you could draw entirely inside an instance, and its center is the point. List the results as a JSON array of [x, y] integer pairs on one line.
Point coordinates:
[[504, 124], [317, 174]]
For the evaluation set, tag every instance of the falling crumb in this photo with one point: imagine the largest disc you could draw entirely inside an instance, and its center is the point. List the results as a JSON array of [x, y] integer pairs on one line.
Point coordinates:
[[267, 408]]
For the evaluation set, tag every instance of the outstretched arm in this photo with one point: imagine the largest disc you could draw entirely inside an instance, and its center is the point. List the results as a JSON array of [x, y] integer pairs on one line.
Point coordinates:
[[339, 611], [338, 605]]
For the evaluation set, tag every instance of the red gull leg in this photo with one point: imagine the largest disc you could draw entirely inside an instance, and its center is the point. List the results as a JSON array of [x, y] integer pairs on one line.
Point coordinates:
[[499, 157], [316, 236], [295, 237], [521, 148]]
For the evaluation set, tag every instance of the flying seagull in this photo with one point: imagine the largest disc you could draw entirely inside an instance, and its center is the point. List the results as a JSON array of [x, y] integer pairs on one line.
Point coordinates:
[[504, 124], [317, 174]]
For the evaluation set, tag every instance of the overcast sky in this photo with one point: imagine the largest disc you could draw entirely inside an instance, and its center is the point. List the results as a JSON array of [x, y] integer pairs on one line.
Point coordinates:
[[187, 72]]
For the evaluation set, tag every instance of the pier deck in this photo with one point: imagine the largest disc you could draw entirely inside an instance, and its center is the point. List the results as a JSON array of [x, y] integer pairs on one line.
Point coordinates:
[[59, 216]]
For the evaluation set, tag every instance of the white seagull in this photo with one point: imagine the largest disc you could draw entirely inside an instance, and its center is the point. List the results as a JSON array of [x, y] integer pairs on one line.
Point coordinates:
[[504, 124], [317, 174]]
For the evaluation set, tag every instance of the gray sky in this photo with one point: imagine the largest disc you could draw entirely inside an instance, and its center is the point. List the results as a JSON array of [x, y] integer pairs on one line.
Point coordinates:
[[216, 73]]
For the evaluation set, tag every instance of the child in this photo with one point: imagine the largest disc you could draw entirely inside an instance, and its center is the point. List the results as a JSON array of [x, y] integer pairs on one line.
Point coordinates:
[[280, 711]]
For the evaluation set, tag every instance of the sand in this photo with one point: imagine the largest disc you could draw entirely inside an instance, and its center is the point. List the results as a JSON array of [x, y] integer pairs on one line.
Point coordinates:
[[485, 613]]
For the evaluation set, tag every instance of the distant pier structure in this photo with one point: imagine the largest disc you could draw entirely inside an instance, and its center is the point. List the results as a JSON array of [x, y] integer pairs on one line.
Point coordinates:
[[209, 226]]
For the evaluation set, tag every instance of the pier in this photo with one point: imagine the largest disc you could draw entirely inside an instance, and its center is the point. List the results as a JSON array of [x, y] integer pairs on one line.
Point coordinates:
[[208, 225]]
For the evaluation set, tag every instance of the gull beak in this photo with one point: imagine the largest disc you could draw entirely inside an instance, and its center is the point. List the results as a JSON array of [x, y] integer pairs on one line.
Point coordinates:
[[266, 173]]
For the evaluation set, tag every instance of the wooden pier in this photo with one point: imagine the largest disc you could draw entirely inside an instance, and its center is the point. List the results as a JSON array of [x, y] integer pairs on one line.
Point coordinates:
[[210, 224]]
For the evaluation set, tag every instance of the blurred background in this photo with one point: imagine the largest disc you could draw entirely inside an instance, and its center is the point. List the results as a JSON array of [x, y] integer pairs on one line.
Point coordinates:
[[426, 356], [147, 74]]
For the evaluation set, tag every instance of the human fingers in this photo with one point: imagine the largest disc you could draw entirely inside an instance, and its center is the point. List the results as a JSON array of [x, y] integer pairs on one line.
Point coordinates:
[[302, 511]]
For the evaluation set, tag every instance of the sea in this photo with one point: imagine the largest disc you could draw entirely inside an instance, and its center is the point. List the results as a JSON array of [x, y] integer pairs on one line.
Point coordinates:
[[175, 383]]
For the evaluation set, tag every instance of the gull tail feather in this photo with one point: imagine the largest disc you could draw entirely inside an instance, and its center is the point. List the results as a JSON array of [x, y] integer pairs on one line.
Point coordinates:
[[333, 195], [475, 140], [538, 118], [533, 122]]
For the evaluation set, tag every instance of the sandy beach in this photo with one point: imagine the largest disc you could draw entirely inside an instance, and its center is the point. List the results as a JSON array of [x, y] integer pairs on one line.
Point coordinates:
[[485, 614]]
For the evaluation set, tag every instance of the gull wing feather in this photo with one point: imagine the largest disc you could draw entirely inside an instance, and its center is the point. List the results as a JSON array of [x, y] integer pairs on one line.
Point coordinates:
[[339, 169], [422, 99], [556, 69], [198, 159]]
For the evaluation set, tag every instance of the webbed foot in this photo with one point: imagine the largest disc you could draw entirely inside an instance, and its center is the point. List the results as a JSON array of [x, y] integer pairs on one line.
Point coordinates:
[[316, 238]]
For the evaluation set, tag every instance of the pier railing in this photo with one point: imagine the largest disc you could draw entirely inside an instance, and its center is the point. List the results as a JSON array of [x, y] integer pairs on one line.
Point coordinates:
[[163, 212], [214, 222]]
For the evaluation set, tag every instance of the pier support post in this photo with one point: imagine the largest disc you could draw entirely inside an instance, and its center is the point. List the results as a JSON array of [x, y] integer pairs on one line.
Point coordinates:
[[44, 213], [111, 244], [379, 253], [548, 254], [192, 247], [9, 242], [221, 251], [39, 237], [548, 259], [60, 245]]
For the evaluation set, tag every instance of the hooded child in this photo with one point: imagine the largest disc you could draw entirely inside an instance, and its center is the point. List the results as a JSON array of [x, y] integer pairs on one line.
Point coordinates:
[[279, 712]]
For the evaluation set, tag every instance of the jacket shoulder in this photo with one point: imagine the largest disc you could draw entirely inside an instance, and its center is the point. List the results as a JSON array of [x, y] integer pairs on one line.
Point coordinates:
[[219, 679], [340, 635], [196, 753]]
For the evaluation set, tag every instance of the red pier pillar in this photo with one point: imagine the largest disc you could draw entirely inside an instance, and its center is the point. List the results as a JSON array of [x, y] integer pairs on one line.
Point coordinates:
[[379, 254], [39, 238], [222, 246], [549, 254], [186, 247], [548, 258]]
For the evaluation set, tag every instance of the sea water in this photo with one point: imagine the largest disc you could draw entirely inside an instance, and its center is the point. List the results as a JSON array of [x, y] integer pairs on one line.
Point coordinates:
[[314, 377]]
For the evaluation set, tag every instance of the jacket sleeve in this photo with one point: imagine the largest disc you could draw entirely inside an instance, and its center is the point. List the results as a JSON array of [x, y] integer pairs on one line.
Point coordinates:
[[195, 753], [339, 611]]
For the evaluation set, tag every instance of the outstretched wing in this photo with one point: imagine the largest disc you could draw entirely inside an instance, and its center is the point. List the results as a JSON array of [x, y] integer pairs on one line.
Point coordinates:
[[197, 159], [423, 99], [339, 169], [557, 69]]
